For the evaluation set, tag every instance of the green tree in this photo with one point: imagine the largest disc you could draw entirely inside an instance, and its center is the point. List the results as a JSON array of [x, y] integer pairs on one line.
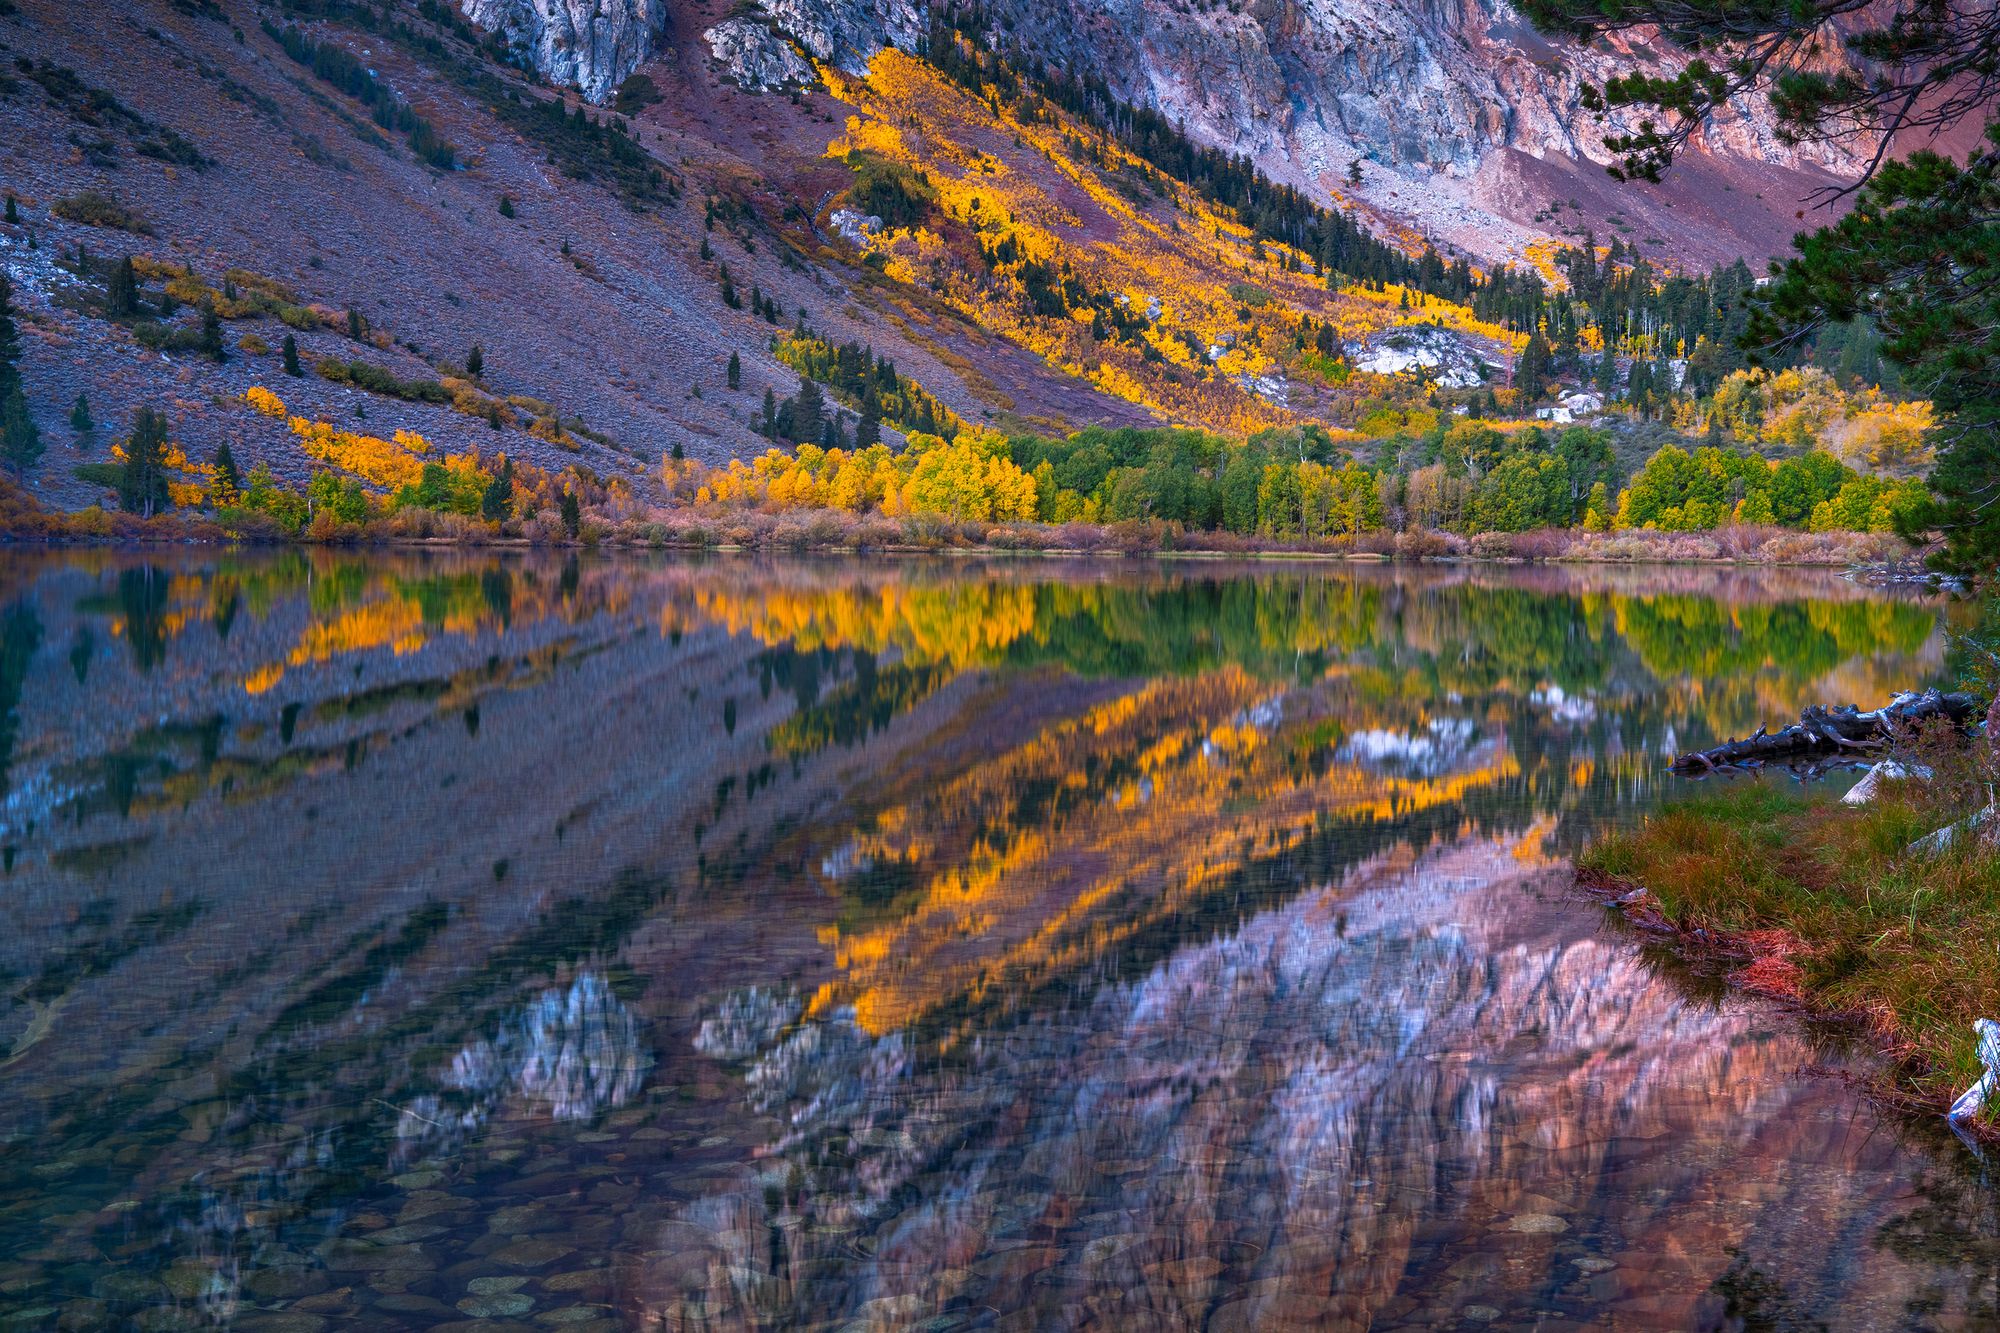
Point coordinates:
[[20, 439], [506, 207], [80, 419], [10, 341], [1531, 371], [475, 361], [356, 329], [122, 294], [291, 354], [572, 513], [211, 335], [735, 371], [497, 503], [808, 413], [13, 210], [142, 482]]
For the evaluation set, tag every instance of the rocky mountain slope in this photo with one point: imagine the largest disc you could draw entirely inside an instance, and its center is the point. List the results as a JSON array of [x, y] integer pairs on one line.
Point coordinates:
[[1465, 123], [613, 198]]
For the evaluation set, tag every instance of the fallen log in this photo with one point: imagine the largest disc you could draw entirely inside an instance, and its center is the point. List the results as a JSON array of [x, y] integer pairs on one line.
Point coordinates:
[[1844, 733]]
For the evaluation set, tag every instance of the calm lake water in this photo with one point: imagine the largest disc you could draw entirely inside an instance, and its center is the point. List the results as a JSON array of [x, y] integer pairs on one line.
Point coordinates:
[[388, 941]]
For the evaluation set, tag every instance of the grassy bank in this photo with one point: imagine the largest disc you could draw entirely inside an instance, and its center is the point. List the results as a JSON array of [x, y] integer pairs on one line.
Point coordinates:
[[634, 525], [1822, 906]]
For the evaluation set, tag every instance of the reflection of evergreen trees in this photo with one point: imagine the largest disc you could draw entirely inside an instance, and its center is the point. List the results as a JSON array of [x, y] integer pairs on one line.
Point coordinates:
[[20, 635]]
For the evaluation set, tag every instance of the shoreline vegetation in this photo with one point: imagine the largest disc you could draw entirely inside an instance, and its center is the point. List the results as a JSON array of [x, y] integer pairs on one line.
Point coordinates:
[[1472, 489], [21, 521], [1839, 912]]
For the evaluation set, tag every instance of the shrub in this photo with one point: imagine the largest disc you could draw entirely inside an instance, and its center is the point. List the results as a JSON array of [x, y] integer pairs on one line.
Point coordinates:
[[375, 379], [95, 208]]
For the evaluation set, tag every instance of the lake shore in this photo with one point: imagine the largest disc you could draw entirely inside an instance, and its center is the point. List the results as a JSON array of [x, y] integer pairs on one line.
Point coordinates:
[[730, 529], [1827, 910]]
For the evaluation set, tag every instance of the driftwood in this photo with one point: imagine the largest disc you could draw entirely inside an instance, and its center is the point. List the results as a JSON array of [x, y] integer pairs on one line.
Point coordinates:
[[1833, 736]]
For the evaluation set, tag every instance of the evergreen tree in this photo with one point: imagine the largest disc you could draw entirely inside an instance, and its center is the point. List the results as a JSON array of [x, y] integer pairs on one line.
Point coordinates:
[[1607, 370], [808, 413], [496, 503], [506, 207], [13, 210], [770, 426], [122, 296], [20, 440], [211, 335], [291, 353], [735, 371], [1531, 371], [355, 328], [80, 419], [869, 429], [10, 340], [729, 296], [475, 361], [572, 513], [142, 483]]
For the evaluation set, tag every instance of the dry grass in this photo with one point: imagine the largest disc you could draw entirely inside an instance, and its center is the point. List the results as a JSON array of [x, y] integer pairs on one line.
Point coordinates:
[[1821, 903]]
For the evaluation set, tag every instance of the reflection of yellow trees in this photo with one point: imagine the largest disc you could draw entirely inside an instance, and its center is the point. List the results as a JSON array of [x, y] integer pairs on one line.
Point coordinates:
[[959, 623], [1089, 833]]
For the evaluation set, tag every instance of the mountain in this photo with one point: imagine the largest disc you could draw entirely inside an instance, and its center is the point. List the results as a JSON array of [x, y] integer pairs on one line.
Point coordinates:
[[582, 189]]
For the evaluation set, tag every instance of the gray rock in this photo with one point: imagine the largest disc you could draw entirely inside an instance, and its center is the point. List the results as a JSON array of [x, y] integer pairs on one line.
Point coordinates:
[[756, 56], [588, 45]]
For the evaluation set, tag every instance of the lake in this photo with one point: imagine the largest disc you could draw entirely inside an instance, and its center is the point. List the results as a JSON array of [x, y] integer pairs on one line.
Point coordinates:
[[401, 940]]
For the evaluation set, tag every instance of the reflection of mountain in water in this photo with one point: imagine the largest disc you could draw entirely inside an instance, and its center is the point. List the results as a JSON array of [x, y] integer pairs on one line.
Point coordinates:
[[1392, 1102], [284, 833], [570, 1053]]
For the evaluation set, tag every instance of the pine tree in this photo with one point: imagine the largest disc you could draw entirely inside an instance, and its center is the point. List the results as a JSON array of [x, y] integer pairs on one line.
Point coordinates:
[[496, 504], [355, 328], [735, 371], [79, 416], [707, 250], [770, 425], [808, 413], [572, 514], [142, 484], [729, 296], [13, 210], [1532, 370], [10, 341], [291, 352], [506, 207], [20, 440], [122, 296], [869, 430], [211, 335], [475, 361]]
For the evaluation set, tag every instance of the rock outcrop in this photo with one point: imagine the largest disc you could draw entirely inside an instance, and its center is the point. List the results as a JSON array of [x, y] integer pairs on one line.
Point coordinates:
[[588, 45], [756, 56], [771, 49]]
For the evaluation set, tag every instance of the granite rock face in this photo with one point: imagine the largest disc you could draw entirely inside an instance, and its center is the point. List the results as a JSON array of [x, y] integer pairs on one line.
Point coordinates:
[[588, 45], [756, 56]]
